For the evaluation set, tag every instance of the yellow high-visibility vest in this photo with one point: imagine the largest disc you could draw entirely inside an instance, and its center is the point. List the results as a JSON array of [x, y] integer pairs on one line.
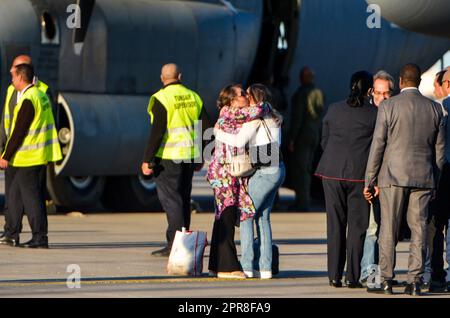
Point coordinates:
[[41, 145], [183, 108], [7, 116]]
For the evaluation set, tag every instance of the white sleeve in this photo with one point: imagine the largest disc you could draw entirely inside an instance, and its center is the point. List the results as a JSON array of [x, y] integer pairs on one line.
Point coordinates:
[[240, 139]]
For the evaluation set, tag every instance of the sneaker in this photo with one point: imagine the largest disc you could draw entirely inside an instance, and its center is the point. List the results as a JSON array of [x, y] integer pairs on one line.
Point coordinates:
[[249, 274], [236, 274], [265, 274]]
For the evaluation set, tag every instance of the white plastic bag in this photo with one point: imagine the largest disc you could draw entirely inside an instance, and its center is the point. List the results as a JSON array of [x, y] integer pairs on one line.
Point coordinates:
[[186, 256]]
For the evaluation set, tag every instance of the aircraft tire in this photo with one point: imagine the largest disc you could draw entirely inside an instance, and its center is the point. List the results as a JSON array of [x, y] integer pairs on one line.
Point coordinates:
[[131, 193], [71, 193]]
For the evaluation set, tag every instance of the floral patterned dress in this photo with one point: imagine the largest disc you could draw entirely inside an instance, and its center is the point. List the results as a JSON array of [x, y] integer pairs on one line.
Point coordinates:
[[229, 190]]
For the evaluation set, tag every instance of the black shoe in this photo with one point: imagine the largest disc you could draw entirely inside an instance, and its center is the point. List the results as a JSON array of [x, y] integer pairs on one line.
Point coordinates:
[[386, 287], [413, 289], [35, 244], [374, 290], [437, 287], [397, 283], [162, 252], [335, 283], [354, 285], [425, 286], [2, 235], [9, 241]]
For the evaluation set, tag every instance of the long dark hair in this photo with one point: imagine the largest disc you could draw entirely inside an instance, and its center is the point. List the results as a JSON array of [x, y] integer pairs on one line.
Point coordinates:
[[360, 84], [260, 93]]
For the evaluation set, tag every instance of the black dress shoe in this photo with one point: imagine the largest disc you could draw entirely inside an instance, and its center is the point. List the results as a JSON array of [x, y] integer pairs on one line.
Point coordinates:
[[35, 244], [386, 287], [354, 285], [335, 283], [162, 252], [9, 241], [436, 287], [397, 283], [413, 289]]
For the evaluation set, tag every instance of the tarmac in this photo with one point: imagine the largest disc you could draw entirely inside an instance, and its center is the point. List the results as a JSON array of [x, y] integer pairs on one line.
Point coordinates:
[[111, 252]]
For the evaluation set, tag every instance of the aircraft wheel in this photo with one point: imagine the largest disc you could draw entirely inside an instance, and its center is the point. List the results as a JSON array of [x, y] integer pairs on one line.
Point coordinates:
[[81, 193], [131, 193]]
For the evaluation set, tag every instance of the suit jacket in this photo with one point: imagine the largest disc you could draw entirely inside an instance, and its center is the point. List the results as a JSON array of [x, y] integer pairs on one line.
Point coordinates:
[[408, 143], [346, 137], [446, 105]]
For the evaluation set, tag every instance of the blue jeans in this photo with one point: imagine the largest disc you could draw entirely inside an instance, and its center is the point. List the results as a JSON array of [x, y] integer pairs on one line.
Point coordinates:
[[369, 261], [263, 187]]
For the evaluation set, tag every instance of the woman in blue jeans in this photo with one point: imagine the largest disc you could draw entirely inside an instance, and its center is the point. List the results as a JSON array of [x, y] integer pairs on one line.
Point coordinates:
[[262, 188]]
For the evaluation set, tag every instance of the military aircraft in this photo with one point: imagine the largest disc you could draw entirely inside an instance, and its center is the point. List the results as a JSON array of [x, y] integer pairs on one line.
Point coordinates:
[[103, 62]]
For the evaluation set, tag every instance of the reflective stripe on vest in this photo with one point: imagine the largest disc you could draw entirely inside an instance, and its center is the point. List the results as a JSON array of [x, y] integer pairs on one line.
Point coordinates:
[[40, 146], [183, 108], [6, 114]]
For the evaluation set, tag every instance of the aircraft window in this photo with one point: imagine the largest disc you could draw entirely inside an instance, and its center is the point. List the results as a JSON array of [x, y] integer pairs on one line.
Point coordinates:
[[50, 30]]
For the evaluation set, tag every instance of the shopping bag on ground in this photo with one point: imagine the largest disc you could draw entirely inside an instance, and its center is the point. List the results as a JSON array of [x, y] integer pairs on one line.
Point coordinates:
[[186, 255]]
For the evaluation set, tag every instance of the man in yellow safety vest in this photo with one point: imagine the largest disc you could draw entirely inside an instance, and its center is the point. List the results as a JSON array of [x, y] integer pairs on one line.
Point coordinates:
[[6, 118], [173, 147], [31, 144]]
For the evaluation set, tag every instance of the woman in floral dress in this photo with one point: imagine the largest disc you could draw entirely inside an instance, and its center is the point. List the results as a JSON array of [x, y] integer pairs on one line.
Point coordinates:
[[232, 202]]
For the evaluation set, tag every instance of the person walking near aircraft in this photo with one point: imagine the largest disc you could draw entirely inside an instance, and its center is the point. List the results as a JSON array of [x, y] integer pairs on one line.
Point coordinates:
[[439, 219], [383, 87], [304, 135], [409, 129], [5, 124], [32, 143], [172, 149], [346, 136], [232, 201]]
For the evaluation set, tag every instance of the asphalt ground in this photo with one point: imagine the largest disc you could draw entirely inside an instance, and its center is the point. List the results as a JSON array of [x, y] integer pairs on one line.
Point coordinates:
[[111, 252]]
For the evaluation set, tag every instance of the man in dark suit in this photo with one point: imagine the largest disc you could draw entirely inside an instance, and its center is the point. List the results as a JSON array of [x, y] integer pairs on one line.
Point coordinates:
[[405, 161], [440, 207]]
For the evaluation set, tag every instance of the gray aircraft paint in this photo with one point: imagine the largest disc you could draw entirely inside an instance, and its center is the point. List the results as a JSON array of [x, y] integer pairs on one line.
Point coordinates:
[[104, 90]]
